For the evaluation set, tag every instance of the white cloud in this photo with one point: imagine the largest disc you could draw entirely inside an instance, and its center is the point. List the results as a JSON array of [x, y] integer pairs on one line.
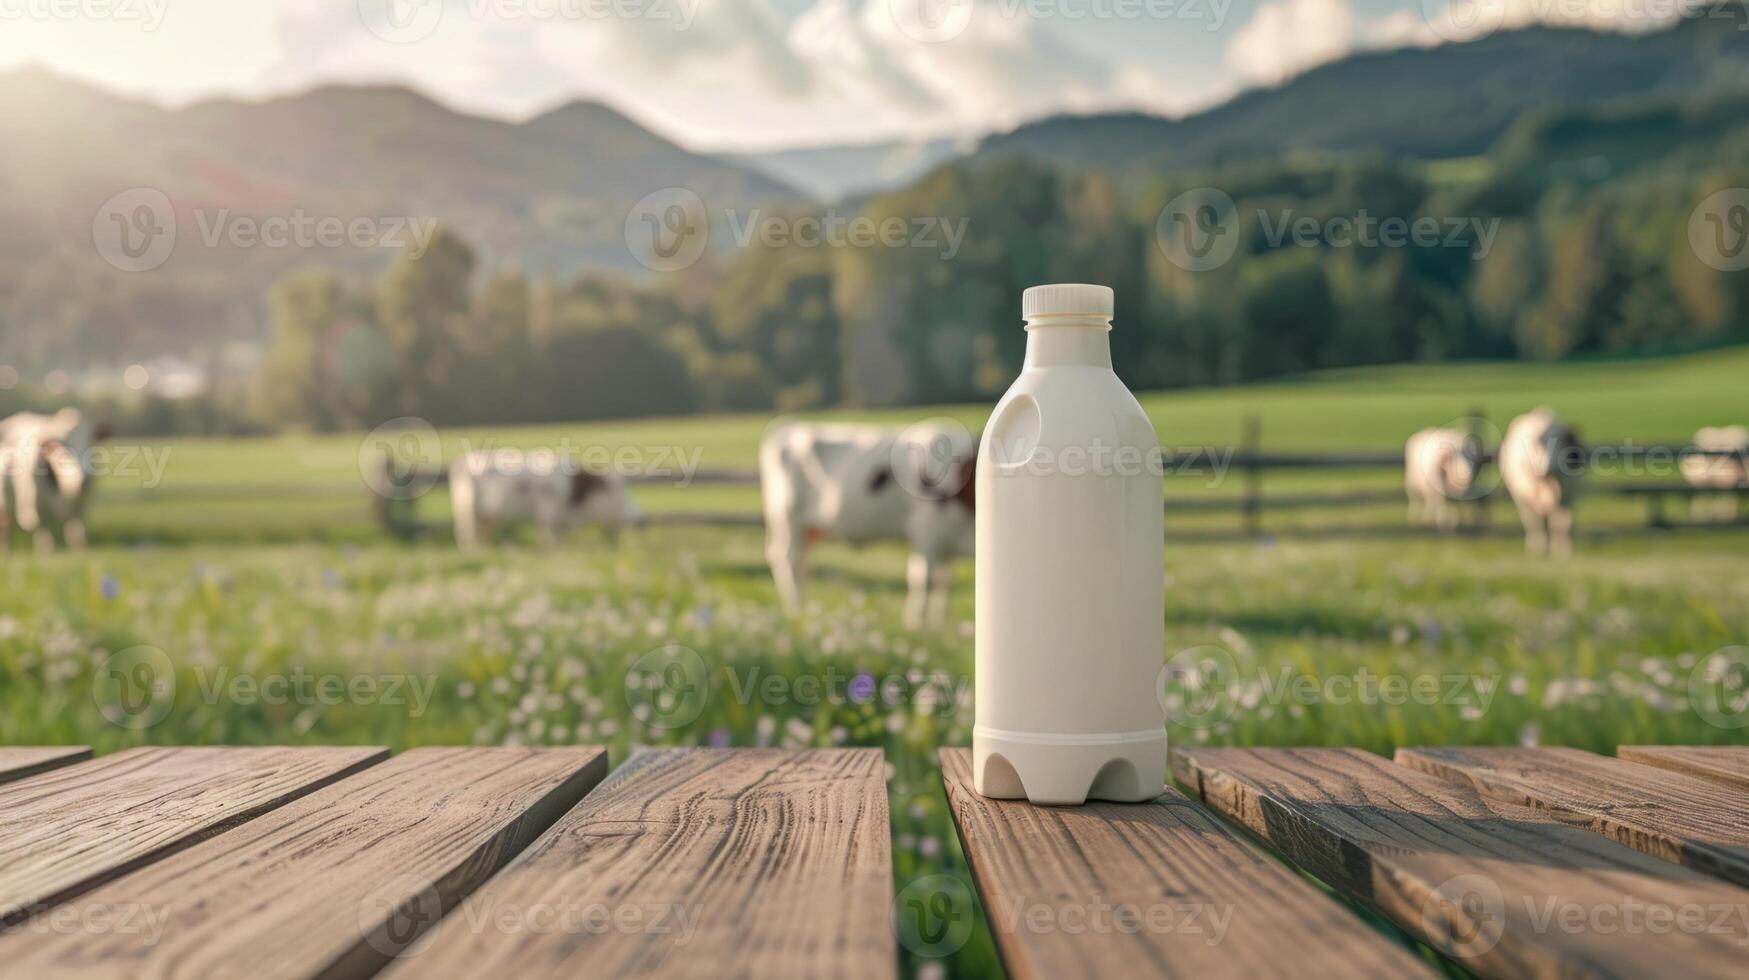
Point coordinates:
[[1286, 37]]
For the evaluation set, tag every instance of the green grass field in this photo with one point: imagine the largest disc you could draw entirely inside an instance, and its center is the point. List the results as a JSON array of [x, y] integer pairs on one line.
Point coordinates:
[[347, 637]]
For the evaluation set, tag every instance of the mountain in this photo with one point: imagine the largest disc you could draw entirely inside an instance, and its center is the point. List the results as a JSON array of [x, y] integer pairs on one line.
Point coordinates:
[[834, 173], [550, 194], [1427, 103]]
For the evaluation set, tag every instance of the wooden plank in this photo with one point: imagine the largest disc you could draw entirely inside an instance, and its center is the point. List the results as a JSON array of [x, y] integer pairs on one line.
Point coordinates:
[[1506, 890], [70, 829], [1681, 818], [1195, 901], [693, 863], [1727, 764], [19, 761], [332, 885]]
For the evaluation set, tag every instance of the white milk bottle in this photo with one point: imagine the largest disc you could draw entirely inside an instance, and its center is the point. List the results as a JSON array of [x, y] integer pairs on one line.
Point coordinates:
[[1071, 573]]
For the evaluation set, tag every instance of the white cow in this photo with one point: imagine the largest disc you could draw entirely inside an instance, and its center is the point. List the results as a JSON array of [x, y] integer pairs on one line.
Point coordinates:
[[46, 476], [862, 484], [1542, 462], [1439, 476], [1718, 472], [489, 493]]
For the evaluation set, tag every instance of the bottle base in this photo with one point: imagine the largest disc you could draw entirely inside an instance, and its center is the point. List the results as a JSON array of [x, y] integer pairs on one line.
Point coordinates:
[[1124, 767]]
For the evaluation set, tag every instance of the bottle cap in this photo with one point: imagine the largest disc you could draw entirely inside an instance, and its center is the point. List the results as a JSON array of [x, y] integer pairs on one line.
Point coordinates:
[[1066, 299]]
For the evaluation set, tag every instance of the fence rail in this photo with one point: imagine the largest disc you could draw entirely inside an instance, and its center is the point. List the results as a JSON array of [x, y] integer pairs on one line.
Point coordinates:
[[1248, 460]]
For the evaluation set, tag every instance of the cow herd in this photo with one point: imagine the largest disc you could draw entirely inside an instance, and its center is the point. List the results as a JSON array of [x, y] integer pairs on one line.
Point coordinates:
[[860, 483], [1541, 461]]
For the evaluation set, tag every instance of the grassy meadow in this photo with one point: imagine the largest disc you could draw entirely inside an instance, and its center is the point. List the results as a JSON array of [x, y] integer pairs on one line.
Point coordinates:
[[286, 618]]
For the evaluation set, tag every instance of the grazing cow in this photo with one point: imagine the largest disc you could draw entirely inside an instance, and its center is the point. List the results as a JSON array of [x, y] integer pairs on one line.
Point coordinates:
[[1439, 476], [862, 484], [45, 476], [489, 494], [1541, 462]]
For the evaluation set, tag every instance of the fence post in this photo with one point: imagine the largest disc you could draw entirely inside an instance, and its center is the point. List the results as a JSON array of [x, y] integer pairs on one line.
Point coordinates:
[[1251, 503], [1478, 423]]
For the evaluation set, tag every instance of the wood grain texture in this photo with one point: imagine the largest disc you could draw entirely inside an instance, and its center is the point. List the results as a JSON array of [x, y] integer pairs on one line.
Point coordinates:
[[1506, 890], [332, 885], [1205, 904], [1727, 764], [1681, 818], [65, 831], [692, 863], [19, 761]]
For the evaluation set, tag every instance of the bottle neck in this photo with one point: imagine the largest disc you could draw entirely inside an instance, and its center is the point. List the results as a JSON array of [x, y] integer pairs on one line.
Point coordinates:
[[1065, 341]]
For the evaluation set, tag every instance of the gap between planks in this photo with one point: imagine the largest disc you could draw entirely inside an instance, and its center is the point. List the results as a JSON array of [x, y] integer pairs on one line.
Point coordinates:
[[1681, 818], [1493, 884], [70, 829], [693, 863], [1728, 764], [19, 761], [1115, 890], [331, 885]]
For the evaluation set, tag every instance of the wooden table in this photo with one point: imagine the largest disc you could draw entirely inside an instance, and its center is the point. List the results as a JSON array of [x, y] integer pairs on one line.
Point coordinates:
[[535, 862]]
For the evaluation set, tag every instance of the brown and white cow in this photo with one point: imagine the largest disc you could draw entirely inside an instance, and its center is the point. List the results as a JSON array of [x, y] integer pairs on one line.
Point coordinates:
[[493, 492], [1439, 477], [861, 484], [1542, 463], [46, 476]]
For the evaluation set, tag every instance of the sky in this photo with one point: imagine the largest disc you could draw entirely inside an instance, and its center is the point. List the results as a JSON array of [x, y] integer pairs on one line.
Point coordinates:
[[756, 74]]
